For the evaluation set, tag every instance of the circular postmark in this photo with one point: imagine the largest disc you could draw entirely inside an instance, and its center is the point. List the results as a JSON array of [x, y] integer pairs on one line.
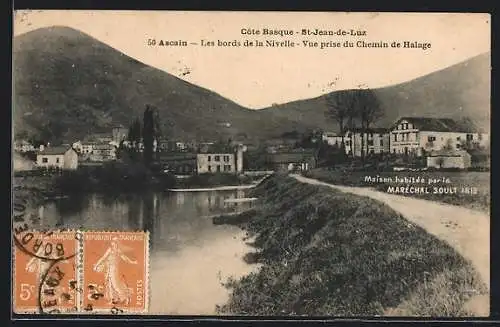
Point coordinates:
[[57, 290], [38, 243]]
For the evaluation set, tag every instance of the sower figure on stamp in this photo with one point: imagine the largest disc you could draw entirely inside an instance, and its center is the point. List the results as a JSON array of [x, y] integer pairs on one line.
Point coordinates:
[[115, 290]]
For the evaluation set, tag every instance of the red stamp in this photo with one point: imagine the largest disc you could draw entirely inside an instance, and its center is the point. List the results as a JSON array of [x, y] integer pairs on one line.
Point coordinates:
[[45, 272], [115, 272]]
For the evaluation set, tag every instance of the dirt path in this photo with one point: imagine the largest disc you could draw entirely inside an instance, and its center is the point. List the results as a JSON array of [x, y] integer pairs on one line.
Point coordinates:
[[466, 230]]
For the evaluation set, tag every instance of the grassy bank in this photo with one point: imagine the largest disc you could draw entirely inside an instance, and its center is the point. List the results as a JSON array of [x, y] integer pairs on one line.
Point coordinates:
[[478, 180], [330, 253]]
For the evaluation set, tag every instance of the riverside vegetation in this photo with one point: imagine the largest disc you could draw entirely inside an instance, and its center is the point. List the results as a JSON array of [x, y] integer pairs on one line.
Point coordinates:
[[324, 252]]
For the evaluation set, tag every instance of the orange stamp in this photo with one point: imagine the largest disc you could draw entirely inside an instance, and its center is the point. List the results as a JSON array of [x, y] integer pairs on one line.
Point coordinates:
[[115, 272], [45, 272]]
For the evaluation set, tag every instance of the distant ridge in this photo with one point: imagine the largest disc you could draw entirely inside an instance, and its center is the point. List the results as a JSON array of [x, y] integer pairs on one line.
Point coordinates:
[[67, 84], [461, 90]]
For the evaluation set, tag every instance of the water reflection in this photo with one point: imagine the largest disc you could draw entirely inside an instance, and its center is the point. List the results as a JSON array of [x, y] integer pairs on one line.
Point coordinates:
[[183, 240]]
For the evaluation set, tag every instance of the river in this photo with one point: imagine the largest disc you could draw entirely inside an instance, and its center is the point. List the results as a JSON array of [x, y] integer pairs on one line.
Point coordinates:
[[189, 256]]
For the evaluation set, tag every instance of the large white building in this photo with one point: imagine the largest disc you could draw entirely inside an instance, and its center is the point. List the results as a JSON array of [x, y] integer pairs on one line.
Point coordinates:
[[376, 139], [417, 135]]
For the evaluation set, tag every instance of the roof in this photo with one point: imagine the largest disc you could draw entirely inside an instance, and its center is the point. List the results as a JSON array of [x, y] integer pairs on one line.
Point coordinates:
[[163, 157], [375, 130], [215, 148], [103, 146], [439, 124], [448, 153], [56, 150], [290, 157]]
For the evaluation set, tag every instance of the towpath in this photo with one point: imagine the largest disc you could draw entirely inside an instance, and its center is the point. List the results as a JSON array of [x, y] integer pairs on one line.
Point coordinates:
[[466, 230]]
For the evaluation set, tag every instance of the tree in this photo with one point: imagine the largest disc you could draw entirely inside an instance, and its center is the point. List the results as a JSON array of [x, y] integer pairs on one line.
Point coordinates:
[[339, 104], [134, 137], [341, 108], [369, 111], [148, 134]]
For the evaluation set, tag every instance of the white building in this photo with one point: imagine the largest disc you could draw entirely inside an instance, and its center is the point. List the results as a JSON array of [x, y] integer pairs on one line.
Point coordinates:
[[332, 139], [222, 162], [376, 139], [216, 163], [416, 135], [460, 159], [62, 157]]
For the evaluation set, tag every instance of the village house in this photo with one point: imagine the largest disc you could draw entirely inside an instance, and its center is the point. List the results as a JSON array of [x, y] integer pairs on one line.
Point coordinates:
[[212, 159], [103, 152], [23, 146], [119, 133], [418, 135], [216, 162], [302, 160], [62, 157], [100, 137], [332, 139], [279, 145], [84, 148], [178, 163], [459, 159], [376, 140]]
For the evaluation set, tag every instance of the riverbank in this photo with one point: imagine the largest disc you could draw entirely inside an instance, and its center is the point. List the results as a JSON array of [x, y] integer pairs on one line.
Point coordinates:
[[324, 253]]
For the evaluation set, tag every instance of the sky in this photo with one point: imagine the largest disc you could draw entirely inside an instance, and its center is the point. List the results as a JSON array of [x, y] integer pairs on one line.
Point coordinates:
[[257, 77]]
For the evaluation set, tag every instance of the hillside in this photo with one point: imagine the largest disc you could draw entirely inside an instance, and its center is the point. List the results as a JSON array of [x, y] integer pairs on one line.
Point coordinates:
[[67, 84], [454, 92]]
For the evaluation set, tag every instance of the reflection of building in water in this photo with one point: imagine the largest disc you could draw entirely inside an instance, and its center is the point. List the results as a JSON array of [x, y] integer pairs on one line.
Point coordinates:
[[180, 198]]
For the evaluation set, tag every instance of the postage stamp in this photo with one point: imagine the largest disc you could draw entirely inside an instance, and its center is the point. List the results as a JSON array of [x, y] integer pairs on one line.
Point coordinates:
[[115, 272], [45, 272]]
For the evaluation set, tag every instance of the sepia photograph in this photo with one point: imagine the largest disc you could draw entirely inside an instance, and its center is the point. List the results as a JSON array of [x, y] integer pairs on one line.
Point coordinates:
[[285, 164]]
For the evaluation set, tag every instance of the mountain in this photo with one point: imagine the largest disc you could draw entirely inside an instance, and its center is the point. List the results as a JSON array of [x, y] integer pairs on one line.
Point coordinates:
[[458, 91], [68, 84]]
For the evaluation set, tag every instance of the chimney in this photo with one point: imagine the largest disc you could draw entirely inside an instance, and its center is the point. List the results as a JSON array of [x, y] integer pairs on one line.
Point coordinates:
[[239, 158]]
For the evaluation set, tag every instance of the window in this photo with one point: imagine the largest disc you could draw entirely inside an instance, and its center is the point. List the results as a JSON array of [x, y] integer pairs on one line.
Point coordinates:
[[209, 158], [209, 168], [381, 135], [218, 167], [227, 167], [458, 146], [395, 137], [458, 138], [480, 136], [57, 160], [370, 142], [45, 160], [381, 142], [226, 158], [431, 138], [217, 158], [469, 137]]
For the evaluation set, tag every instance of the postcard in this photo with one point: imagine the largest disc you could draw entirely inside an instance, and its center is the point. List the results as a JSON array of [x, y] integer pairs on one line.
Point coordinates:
[[304, 164]]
